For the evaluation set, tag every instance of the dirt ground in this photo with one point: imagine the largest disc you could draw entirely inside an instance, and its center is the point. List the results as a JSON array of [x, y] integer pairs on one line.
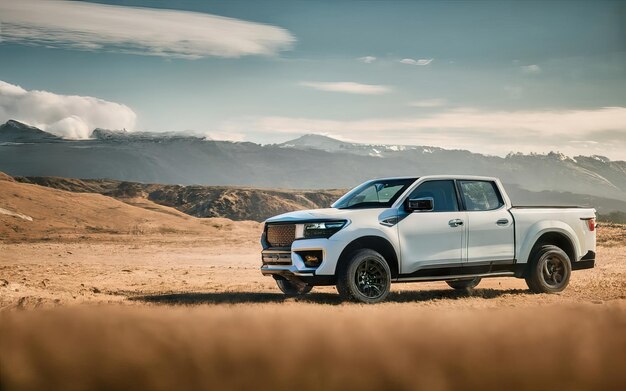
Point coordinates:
[[87, 306], [189, 270]]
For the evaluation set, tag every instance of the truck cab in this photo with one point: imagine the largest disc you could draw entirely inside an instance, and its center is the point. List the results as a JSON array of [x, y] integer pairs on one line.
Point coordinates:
[[458, 229]]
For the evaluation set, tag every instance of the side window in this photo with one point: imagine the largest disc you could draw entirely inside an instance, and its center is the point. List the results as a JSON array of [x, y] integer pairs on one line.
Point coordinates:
[[480, 195], [442, 192]]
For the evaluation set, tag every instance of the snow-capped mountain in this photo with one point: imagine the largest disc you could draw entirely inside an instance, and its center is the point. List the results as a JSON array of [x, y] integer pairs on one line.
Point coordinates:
[[328, 144], [308, 162]]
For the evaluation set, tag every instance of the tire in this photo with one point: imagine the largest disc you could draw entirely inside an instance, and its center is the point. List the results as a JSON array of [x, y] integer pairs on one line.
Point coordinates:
[[365, 278], [464, 285], [549, 270], [292, 289]]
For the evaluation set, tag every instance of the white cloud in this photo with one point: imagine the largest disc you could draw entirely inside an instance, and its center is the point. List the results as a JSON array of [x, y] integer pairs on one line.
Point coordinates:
[[155, 32], [68, 116], [492, 132], [427, 103], [421, 61], [347, 87], [531, 69], [367, 59], [568, 122]]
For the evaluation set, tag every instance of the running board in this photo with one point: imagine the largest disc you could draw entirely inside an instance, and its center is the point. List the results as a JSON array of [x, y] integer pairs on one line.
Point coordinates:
[[455, 277]]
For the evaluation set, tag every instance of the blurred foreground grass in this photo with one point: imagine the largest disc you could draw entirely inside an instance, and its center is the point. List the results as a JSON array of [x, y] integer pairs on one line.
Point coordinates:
[[313, 347]]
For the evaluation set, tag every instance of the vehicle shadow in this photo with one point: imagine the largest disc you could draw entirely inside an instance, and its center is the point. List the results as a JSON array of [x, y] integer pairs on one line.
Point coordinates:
[[195, 298]]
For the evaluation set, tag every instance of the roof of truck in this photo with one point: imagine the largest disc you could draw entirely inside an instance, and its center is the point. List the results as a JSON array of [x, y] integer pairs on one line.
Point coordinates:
[[442, 176]]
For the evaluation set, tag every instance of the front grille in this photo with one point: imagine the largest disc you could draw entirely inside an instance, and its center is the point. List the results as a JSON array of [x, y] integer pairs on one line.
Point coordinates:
[[281, 235]]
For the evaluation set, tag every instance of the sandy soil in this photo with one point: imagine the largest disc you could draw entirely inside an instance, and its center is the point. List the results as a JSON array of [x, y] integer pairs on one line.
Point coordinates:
[[194, 271], [164, 313], [180, 304]]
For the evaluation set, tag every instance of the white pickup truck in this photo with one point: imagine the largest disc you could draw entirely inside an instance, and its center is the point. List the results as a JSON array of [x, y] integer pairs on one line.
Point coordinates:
[[457, 229]]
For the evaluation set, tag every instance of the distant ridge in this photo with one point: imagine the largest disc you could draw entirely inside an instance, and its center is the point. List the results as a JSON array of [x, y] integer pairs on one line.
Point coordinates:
[[316, 141], [17, 132], [123, 135], [246, 203], [329, 144]]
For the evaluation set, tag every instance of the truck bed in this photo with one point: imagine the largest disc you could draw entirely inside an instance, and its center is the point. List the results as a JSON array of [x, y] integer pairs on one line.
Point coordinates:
[[572, 222]]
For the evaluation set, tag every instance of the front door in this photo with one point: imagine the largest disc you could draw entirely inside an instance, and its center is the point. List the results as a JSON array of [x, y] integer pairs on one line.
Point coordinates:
[[432, 239]]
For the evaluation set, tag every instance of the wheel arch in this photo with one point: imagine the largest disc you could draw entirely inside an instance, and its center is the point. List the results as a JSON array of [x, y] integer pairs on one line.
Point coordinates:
[[371, 242], [558, 239], [549, 232]]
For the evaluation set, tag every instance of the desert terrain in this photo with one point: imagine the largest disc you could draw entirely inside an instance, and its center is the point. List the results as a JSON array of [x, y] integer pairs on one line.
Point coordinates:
[[103, 293]]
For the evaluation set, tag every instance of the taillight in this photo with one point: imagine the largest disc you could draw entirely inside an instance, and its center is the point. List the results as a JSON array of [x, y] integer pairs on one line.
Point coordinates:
[[591, 223]]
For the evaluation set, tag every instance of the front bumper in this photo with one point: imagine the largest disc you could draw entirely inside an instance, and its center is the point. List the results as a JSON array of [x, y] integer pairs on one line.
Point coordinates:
[[289, 264]]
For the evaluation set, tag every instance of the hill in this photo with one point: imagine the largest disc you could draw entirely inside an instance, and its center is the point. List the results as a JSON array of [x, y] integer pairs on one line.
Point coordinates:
[[17, 132], [33, 212], [236, 203], [246, 203]]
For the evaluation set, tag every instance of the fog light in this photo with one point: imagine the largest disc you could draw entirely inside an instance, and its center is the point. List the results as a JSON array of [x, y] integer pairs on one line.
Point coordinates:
[[311, 258]]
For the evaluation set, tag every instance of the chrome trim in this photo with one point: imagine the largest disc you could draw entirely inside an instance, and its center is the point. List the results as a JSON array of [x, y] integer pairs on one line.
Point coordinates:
[[271, 251], [455, 223], [286, 269], [276, 257], [299, 274]]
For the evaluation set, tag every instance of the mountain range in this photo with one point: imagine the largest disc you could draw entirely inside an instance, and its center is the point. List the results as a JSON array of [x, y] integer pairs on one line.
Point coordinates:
[[308, 162]]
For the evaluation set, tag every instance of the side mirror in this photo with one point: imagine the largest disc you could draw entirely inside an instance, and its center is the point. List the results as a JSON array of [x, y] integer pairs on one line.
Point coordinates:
[[424, 204]]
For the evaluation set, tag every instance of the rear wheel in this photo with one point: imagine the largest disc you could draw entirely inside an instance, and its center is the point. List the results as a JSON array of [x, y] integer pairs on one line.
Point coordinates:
[[549, 270], [290, 288], [365, 278], [465, 284]]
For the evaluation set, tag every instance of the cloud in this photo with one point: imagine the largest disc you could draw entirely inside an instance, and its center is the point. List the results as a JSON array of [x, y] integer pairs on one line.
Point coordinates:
[[367, 59], [68, 116], [492, 132], [347, 87], [154, 32], [426, 103], [421, 61], [531, 69]]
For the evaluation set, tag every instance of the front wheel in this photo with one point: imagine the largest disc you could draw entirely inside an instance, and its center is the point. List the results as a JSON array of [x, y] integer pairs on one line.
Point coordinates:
[[464, 285], [365, 278], [291, 288], [549, 270]]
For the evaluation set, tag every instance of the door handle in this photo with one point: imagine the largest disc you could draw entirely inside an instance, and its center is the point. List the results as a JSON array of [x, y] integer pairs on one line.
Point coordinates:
[[455, 222], [502, 222]]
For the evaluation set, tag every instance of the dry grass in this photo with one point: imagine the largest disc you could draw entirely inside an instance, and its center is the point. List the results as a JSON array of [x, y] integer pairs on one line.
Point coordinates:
[[61, 216], [313, 348], [611, 235]]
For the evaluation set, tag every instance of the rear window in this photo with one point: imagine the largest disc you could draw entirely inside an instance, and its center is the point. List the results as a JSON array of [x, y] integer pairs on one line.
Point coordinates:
[[480, 195]]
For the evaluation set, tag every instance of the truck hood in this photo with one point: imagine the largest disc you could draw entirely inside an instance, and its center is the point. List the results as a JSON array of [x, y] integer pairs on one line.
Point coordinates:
[[313, 214]]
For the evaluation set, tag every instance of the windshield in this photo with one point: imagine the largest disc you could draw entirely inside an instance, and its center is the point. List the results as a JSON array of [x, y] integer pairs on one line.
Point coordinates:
[[374, 194]]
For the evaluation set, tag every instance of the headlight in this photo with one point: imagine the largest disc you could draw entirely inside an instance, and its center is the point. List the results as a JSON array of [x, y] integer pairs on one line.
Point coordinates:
[[324, 229]]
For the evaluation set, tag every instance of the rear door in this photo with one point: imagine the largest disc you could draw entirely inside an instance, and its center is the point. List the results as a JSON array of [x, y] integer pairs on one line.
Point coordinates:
[[432, 239], [490, 225]]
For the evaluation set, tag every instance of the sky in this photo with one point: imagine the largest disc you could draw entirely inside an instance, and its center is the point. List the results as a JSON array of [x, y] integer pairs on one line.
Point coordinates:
[[488, 76]]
